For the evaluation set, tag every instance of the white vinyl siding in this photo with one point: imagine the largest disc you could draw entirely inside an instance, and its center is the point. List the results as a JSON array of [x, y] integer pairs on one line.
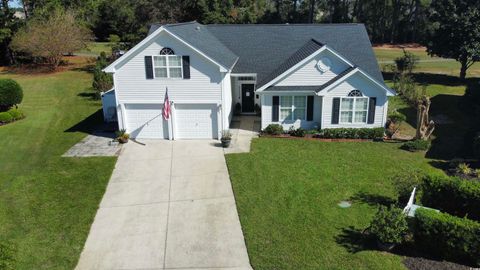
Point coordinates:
[[204, 85], [368, 88], [309, 74]]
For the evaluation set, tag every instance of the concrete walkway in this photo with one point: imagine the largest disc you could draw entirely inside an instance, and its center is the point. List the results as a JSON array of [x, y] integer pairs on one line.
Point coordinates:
[[168, 205], [243, 128]]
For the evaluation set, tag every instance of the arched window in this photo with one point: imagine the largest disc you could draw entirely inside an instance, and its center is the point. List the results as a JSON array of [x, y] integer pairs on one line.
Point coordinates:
[[354, 108], [167, 51], [167, 64], [355, 93]]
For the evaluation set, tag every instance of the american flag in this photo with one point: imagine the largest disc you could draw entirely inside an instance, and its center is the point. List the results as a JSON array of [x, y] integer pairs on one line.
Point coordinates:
[[166, 106]]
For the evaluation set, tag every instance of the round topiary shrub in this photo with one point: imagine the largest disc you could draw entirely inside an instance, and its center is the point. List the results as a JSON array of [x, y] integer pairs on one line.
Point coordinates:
[[11, 93], [5, 117]]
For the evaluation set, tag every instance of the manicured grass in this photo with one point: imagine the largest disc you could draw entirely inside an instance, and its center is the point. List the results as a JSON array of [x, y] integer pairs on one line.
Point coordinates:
[[95, 48], [47, 202], [389, 54], [287, 193], [427, 64]]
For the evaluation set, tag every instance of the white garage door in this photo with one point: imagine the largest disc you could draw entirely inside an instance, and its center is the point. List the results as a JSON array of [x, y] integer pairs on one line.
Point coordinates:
[[146, 121], [196, 121]]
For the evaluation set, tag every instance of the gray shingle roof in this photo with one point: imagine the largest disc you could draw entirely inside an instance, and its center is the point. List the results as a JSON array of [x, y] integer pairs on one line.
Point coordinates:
[[265, 48], [310, 47], [307, 88], [338, 77], [198, 36]]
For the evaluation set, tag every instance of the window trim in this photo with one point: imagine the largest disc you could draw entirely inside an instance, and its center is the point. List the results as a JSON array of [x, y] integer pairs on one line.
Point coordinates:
[[353, 110], [167, 66], [292, 109]]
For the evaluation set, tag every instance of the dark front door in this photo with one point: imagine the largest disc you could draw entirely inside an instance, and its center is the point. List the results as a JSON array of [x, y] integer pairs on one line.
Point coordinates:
[[248, 98]]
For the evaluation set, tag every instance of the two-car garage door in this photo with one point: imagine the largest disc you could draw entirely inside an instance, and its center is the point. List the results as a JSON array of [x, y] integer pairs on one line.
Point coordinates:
[[190, 121]]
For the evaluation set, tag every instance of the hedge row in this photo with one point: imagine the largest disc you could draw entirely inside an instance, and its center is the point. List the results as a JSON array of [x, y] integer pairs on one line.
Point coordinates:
[[352, 133], [453, 195], [450, 237], [10, 116]]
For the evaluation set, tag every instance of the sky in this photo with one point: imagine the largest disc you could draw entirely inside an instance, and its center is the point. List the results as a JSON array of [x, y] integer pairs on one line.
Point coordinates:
[[14, 3]]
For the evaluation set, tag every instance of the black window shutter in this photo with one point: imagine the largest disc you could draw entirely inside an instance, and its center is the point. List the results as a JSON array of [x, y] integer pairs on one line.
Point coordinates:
[[148, 67], [310, 108], [335, 110], [371, 110], [186, 66], [275, 108]]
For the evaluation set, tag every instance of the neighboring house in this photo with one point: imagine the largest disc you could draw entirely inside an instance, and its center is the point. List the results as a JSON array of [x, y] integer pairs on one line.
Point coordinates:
[[305, 75]]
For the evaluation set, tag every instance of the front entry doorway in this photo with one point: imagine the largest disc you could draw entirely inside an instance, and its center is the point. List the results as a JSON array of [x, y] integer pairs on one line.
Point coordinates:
[[248, 98]]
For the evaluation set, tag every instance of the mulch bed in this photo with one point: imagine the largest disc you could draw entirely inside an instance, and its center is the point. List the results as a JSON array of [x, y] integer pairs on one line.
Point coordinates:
[[310, 137], [417, 263]]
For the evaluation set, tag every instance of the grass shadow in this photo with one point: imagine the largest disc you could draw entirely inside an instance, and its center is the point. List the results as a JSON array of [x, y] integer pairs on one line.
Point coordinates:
[[89, 95], [89, 125], [354, 240], [372, 199]]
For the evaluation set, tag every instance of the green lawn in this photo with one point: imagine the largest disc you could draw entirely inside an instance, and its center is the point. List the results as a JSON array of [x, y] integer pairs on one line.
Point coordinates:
[[95, 48], [287, 193], [427, 63], [47, 203]]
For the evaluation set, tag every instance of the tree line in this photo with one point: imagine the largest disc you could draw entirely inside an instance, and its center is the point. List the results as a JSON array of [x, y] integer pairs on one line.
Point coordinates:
[[387, 21]]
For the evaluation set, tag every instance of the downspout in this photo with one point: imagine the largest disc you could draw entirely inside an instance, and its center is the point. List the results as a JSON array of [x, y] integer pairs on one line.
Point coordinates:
[[222, 107]]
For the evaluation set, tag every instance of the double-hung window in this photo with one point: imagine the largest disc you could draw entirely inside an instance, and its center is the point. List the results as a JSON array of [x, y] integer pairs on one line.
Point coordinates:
[[354, 108], [293, 108], [167, 64]]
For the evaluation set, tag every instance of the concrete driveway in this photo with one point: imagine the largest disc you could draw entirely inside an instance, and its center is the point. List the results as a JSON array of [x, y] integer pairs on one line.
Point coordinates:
[[168, 205]]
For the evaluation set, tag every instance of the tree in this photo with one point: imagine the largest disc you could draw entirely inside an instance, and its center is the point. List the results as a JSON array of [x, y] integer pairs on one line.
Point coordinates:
[[230, 11], [51, 38], [117, 17], [101, 81], [456, 32], [8, 26], [425, 127]]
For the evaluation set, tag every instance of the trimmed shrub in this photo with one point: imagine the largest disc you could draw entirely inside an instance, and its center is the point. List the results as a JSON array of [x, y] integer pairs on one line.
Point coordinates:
[[352, 133], [404, 182], [11, 93], [16, 114], [389, 225], [7, 256], [5, 117], [299, 132], [273, 129], [416, 145], [449, 237], [453, 195]]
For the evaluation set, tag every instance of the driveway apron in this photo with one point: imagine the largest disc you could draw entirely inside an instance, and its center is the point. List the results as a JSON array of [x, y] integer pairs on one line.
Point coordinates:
[[168, 205]]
